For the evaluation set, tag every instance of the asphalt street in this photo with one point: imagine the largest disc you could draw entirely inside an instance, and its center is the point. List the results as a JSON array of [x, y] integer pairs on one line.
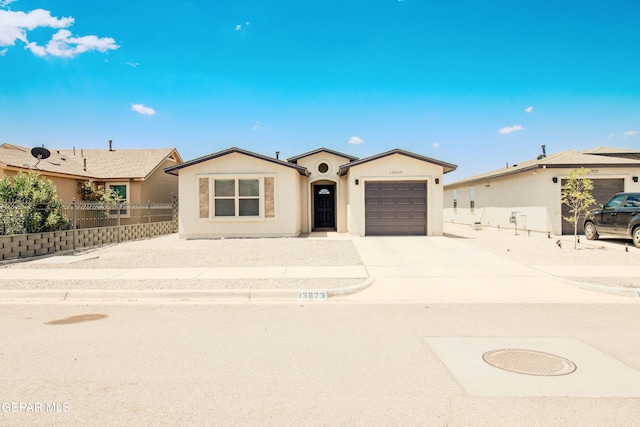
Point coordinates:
[[314, 363]]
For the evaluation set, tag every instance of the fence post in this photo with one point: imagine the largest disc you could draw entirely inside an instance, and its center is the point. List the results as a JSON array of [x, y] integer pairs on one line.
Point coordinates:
[[119, 207], [149, 216], [73, 222], [174, 211]]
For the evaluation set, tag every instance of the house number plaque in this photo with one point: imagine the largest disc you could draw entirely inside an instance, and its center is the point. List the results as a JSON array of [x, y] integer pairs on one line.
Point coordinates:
[[312, 295], [395, 172]]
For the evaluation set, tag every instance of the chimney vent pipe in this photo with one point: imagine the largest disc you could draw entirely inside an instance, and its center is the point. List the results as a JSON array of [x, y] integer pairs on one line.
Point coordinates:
[[110, 145], [277, 155]]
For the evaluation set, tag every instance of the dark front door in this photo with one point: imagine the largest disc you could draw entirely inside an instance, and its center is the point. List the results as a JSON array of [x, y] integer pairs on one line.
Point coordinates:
[[324, 202]]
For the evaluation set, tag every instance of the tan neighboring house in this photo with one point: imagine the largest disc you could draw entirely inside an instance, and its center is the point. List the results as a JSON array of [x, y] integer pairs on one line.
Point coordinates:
[[528, 194], [136, 174], [238, 193]]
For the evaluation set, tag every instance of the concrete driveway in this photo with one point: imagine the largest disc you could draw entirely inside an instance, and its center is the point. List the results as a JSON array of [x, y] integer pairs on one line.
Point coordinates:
[[445, 270]]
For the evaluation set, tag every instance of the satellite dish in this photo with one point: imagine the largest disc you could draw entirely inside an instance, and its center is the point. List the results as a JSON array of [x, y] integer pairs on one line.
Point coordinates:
[[40, 153]]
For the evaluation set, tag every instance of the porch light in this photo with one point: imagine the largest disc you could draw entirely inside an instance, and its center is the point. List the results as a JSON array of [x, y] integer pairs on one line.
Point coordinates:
[[357, 182], [635, 179], [555, 179], [437, 180]]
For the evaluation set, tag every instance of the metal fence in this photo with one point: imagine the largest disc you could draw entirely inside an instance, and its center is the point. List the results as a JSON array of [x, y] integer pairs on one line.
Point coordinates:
[[18, 217], [76, 225]]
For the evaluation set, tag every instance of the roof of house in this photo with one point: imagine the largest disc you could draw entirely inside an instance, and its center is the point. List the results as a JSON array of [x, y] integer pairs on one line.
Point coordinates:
[[90, 163], [563, 159], [448, 167], [174, 169], [611, 150], [320, 150]]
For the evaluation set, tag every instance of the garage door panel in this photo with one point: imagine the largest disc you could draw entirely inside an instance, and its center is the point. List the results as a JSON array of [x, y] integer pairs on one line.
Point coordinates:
[[395, 208], [602, 191]]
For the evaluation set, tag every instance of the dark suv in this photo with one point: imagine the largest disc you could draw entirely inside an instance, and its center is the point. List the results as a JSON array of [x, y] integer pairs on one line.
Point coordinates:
[[619, 217]]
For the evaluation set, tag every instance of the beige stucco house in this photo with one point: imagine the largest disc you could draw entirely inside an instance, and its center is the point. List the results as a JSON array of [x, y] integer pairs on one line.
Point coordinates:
[[136, 174], [238, 193], [527, 195]]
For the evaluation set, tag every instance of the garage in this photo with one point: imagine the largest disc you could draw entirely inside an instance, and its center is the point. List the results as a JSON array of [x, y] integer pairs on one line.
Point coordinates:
[[396, 208], [602, 191]]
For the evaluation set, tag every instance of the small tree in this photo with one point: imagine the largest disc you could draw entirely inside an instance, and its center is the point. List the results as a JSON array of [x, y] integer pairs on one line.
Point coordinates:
[[576, 193], [29, 204]]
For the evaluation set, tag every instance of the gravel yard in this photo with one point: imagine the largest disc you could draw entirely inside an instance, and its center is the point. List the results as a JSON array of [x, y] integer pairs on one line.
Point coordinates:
[[170, 251], [537, 249]]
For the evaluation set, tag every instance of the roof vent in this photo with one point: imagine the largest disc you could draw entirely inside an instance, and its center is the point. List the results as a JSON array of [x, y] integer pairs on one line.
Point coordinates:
[[111, 145], [544, 152]]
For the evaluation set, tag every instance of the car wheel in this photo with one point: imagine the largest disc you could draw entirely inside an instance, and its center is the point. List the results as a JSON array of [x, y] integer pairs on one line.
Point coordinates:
[[636, 236], [590, 231]]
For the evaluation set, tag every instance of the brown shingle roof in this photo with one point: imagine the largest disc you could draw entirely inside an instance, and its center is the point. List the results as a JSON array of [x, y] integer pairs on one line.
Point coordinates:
[[100, 163]]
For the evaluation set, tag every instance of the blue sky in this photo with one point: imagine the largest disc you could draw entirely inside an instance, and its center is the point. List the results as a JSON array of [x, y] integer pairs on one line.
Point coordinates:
[[474, 83]]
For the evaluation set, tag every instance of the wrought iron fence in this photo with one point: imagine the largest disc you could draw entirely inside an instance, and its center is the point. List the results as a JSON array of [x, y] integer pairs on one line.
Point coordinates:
[[18, 217]]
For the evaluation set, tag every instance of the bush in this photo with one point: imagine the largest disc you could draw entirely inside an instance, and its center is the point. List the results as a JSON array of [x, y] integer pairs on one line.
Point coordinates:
[[29, 204]]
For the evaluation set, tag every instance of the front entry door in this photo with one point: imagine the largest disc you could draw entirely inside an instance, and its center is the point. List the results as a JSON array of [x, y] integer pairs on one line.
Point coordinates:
[[324, 202]]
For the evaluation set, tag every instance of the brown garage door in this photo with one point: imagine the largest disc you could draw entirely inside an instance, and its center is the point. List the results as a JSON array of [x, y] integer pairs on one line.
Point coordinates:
[[603, 189], [395, 208]]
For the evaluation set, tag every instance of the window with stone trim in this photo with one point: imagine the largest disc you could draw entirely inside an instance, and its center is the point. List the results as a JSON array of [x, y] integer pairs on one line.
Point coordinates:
[[236, 197]]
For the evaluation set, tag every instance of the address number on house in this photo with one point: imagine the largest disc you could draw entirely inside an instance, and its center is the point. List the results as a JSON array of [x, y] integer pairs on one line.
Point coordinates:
[[312, 295], [395, 172]]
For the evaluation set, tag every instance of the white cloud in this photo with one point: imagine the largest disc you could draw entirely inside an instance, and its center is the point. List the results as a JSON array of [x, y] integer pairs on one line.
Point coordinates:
[[529, 109], [14, 27], [256, 126], [356, 140], [509, 129], [142, 109], [631, 133], [239, 27], [4, 3], [435, 144], [4, 51], [64, 45], [132, 64]]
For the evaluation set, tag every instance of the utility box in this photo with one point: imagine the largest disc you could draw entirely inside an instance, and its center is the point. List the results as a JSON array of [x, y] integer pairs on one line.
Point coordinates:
[[477, 226]]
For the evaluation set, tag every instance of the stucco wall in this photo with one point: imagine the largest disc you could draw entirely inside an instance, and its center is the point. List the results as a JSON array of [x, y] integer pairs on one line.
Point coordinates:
[[160, 186], [394, 168], [535, 198], [287, 200]]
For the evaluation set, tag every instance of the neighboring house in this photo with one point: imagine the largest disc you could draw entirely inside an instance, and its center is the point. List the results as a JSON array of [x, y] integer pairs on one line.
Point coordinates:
[[528, 194], [238, 193], [136, 174]]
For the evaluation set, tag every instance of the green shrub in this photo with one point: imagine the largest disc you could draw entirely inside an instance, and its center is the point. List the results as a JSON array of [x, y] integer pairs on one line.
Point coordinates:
[[29, 204]]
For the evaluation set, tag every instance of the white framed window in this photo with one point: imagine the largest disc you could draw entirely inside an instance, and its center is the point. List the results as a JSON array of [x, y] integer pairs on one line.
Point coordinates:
[[236, 197], [122, 190]]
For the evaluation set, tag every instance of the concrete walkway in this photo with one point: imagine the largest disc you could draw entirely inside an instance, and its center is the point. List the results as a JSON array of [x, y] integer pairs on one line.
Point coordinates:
[[396, 270]]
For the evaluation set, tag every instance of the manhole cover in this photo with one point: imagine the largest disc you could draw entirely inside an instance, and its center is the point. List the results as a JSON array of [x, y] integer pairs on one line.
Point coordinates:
[[529, 362]]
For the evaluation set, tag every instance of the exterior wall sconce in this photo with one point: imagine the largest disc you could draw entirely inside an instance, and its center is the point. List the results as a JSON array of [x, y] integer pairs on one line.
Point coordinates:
[[357, 182], [437, 180], [555, 179], [635, 179]]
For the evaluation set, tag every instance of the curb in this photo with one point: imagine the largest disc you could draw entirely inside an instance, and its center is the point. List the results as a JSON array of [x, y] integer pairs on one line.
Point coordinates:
[[79, 296], [614, 290]]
